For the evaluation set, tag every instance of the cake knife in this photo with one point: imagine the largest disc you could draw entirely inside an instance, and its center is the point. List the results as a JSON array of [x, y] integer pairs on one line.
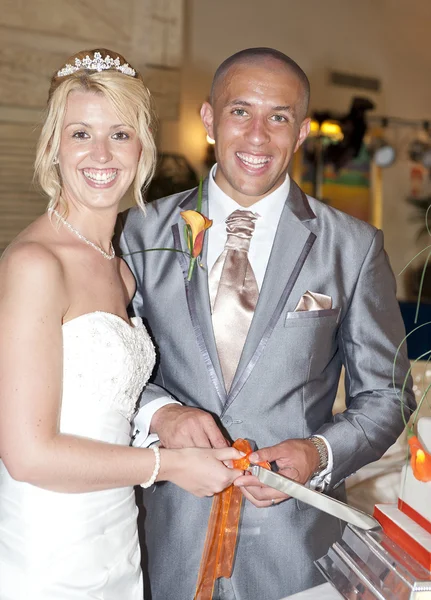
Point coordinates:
[[321, 501]]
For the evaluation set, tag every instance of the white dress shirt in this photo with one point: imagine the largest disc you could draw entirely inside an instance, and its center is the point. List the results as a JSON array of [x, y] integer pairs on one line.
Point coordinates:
[[220, 206]]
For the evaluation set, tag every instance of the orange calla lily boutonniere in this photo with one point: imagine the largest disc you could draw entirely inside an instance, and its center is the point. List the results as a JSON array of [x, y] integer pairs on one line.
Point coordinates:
[[194, 230], [420, 460]]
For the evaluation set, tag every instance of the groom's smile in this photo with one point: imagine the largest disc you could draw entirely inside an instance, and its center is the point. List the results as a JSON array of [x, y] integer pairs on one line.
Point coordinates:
[[254, 163]]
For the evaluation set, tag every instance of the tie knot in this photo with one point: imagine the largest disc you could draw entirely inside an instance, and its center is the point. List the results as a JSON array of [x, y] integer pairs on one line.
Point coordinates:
[[240, 227]]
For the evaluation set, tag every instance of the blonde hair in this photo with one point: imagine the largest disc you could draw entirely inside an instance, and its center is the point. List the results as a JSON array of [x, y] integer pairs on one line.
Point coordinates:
[[131, 100]]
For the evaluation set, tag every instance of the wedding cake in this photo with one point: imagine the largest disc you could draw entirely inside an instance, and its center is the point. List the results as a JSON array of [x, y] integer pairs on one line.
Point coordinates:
[[391, 561], [408, 524]]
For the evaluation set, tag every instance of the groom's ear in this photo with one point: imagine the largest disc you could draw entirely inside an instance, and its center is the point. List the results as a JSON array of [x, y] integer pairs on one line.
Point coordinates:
[[207, 116]]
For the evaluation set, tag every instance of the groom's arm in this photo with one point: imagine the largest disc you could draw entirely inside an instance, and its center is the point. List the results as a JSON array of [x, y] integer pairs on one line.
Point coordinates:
[[369, 337], [160, 416], [379, 394], [152, 399]]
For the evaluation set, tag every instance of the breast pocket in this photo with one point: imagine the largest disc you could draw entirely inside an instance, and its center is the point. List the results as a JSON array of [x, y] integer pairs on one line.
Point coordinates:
[[312, 318], [312, 334]]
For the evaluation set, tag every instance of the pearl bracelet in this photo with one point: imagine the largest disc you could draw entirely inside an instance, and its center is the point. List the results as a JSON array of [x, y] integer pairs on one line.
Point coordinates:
[[156, 469]]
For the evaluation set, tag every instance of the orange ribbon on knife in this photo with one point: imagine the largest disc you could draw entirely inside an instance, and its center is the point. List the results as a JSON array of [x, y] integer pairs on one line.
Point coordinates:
[[222, 532]]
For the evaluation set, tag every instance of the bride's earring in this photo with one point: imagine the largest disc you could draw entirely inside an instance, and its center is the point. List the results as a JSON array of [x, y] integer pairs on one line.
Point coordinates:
[[55, 161]]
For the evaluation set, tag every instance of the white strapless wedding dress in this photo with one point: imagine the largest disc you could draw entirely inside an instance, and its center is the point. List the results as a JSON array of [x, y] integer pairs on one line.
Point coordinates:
[[56, 546]]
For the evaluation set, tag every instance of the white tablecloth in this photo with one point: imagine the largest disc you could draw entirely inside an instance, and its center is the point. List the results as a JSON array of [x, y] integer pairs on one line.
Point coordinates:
[[320, 592]]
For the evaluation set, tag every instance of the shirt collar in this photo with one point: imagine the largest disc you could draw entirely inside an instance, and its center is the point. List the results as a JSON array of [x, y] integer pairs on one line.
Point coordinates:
[[220, 205]]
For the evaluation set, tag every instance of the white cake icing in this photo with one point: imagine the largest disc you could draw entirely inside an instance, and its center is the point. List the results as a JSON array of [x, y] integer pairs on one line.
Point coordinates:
[[415, 493]]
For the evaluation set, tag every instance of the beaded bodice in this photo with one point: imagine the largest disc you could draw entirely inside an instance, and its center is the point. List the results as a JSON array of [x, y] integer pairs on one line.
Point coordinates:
[[107, 363]]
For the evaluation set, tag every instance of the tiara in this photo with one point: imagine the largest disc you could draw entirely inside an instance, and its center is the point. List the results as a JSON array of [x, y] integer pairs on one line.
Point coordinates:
[[96, 64]]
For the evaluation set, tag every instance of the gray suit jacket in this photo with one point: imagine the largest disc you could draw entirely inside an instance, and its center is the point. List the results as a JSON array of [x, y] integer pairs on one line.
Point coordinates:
[[285, 384]]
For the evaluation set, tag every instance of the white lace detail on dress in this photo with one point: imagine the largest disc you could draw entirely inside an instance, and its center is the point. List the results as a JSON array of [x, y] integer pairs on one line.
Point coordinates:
[[107, 362]]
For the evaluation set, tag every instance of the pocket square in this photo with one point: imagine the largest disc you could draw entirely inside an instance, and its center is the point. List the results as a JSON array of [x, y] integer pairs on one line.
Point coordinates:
[[313, 301]]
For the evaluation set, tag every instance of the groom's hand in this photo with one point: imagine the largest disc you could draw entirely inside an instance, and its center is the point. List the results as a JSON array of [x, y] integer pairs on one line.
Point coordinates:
[[184, 427], [297, 459]]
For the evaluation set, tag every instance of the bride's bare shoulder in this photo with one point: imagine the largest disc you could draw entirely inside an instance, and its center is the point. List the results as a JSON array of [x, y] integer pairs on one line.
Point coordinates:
[[33, 290], [32, 255]]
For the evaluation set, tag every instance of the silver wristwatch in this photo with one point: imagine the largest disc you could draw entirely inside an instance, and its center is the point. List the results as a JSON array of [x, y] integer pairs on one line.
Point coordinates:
[[322, 449]]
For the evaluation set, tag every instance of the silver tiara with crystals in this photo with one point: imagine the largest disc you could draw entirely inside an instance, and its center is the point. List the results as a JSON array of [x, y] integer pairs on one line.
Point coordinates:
[[97, 63]]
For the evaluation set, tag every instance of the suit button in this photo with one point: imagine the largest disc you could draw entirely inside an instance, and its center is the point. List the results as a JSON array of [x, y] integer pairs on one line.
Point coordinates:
[[227, 420]]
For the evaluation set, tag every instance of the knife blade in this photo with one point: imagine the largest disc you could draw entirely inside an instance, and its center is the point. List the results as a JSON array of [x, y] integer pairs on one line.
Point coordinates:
[[324, 503]]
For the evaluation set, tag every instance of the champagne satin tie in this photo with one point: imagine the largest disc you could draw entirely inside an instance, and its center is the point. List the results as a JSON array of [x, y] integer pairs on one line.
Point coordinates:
[[235, 298]]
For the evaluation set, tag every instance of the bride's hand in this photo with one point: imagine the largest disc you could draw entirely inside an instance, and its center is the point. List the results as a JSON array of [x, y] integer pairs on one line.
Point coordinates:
[[200, 471]]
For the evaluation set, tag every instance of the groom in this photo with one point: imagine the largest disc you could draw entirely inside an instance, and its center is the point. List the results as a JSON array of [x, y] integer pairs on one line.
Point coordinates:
[[287, 291]]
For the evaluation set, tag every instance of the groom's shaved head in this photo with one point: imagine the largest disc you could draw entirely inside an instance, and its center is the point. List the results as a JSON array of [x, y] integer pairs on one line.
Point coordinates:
[[255, 56]]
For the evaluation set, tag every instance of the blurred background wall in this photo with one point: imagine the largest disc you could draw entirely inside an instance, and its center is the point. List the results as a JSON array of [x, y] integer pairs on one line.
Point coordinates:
[[178, 45], [36, 38]]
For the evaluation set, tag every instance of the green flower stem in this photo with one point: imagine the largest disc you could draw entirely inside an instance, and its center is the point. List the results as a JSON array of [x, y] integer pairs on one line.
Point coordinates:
[[199, 203], [191, 267], [155, 250]]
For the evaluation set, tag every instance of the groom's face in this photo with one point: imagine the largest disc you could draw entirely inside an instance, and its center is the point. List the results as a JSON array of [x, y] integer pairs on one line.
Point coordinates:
[[257, 121]]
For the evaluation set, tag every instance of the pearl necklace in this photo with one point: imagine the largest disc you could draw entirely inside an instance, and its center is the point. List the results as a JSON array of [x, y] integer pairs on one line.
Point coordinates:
[[109, 256]]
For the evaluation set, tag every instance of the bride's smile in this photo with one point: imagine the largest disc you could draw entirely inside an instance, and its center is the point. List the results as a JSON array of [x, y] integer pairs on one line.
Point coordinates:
[[99, 153]]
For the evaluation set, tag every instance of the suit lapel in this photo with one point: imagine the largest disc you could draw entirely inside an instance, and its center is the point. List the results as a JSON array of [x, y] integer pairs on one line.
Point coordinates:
[[197, 294], [292, 244]]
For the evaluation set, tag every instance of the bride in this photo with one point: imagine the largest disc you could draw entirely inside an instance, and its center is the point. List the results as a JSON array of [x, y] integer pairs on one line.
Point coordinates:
[[72, 365]]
